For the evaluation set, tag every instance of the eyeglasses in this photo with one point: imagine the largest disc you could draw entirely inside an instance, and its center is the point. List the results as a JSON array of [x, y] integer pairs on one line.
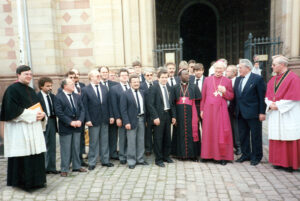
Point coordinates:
[[147, 75]]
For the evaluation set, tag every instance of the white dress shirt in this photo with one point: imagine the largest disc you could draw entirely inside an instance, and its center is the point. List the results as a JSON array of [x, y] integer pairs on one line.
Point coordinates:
[[163, 94], [140, 100], [123, 87], [200, 82], [245, 80], [46, 103], [69, 98], [95, 89], [174, 81]]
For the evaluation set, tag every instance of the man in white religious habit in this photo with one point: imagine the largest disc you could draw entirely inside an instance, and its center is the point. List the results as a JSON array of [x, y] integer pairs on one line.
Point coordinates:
[[283, 113]]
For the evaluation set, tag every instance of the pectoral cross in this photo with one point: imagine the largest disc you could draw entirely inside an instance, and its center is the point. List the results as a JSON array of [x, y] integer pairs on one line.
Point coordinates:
[[183, 99], [216, 93]]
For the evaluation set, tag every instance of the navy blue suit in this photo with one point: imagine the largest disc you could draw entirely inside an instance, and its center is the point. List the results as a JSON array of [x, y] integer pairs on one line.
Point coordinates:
[[177, 79], [69, 136], [98, 113], [64, 112], [149, 125], [116, 92], [113, 129], [49, 134], [95, 111], [135, 135], [128, 107], [248, 105]]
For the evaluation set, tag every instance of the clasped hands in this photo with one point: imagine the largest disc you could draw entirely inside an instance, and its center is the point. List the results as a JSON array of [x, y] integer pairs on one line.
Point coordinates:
[[221, 89], [75, 124]]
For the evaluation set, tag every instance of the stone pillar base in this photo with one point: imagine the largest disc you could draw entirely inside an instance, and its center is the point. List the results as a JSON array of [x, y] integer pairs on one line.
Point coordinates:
[[294, 65]]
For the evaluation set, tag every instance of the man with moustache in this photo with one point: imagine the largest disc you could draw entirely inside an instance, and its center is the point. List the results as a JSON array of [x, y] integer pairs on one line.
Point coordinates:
[[47, 99], [133, 113], [172, 79], [145, 86]]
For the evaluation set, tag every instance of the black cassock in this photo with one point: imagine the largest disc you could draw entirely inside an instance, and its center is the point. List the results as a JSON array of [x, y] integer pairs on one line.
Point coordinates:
[[183, 144], [26, 172]]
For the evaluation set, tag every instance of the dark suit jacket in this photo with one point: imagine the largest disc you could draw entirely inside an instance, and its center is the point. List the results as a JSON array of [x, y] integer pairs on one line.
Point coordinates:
[[64, 112], [146, 90], [192, 80], [95, 111], [250, 103], [43, 104], [177, 79], [156, 102], [143, 78], [129, 111], [115, 94]]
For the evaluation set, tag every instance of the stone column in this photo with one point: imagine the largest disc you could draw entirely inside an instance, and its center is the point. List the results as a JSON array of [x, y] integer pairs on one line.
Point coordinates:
[[146, 32], [294, 63]]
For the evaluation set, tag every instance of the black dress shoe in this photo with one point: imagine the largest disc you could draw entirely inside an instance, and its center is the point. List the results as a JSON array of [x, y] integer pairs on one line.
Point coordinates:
[[131, 166], [91, 167], [223, 162], [254, 163], [52, 172], [84, 164], [238, 151], [242, 159], [289, 169], [160, 164], [122, 162], [143, 163], [115, 158], [79, 170], [108, 165], [168, 160]]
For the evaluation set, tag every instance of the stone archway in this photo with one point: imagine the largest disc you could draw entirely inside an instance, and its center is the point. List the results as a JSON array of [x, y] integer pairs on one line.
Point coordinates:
[[199, 30]]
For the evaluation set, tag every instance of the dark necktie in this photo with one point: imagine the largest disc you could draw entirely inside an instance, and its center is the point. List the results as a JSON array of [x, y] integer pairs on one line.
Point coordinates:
[[172, 82], [72, 103], [98, 93], [150, 85], [197, 81], [50, 105], [166, 97], [105, 83], [138, 102], [241, 84], [125, 85], [77, 87]]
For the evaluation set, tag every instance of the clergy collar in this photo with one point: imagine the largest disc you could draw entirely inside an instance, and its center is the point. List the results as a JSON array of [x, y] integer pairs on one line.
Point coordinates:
[[184, 83]]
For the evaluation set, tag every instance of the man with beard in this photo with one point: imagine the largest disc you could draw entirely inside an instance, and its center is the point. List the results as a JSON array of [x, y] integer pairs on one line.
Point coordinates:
[[185, 133], [47, 102]]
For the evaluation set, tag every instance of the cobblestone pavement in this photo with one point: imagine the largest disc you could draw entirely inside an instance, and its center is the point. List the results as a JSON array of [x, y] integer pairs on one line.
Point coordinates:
[[178, 181]]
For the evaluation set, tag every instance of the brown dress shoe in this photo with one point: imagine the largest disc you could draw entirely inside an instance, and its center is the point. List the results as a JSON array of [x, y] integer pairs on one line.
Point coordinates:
[[63, 174]]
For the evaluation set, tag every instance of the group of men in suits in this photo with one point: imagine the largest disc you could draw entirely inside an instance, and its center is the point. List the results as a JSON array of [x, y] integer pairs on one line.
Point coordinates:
[[135, 115]]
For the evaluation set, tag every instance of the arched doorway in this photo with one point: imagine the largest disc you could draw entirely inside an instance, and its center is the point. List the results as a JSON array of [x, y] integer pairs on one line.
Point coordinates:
[[198, 29]]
